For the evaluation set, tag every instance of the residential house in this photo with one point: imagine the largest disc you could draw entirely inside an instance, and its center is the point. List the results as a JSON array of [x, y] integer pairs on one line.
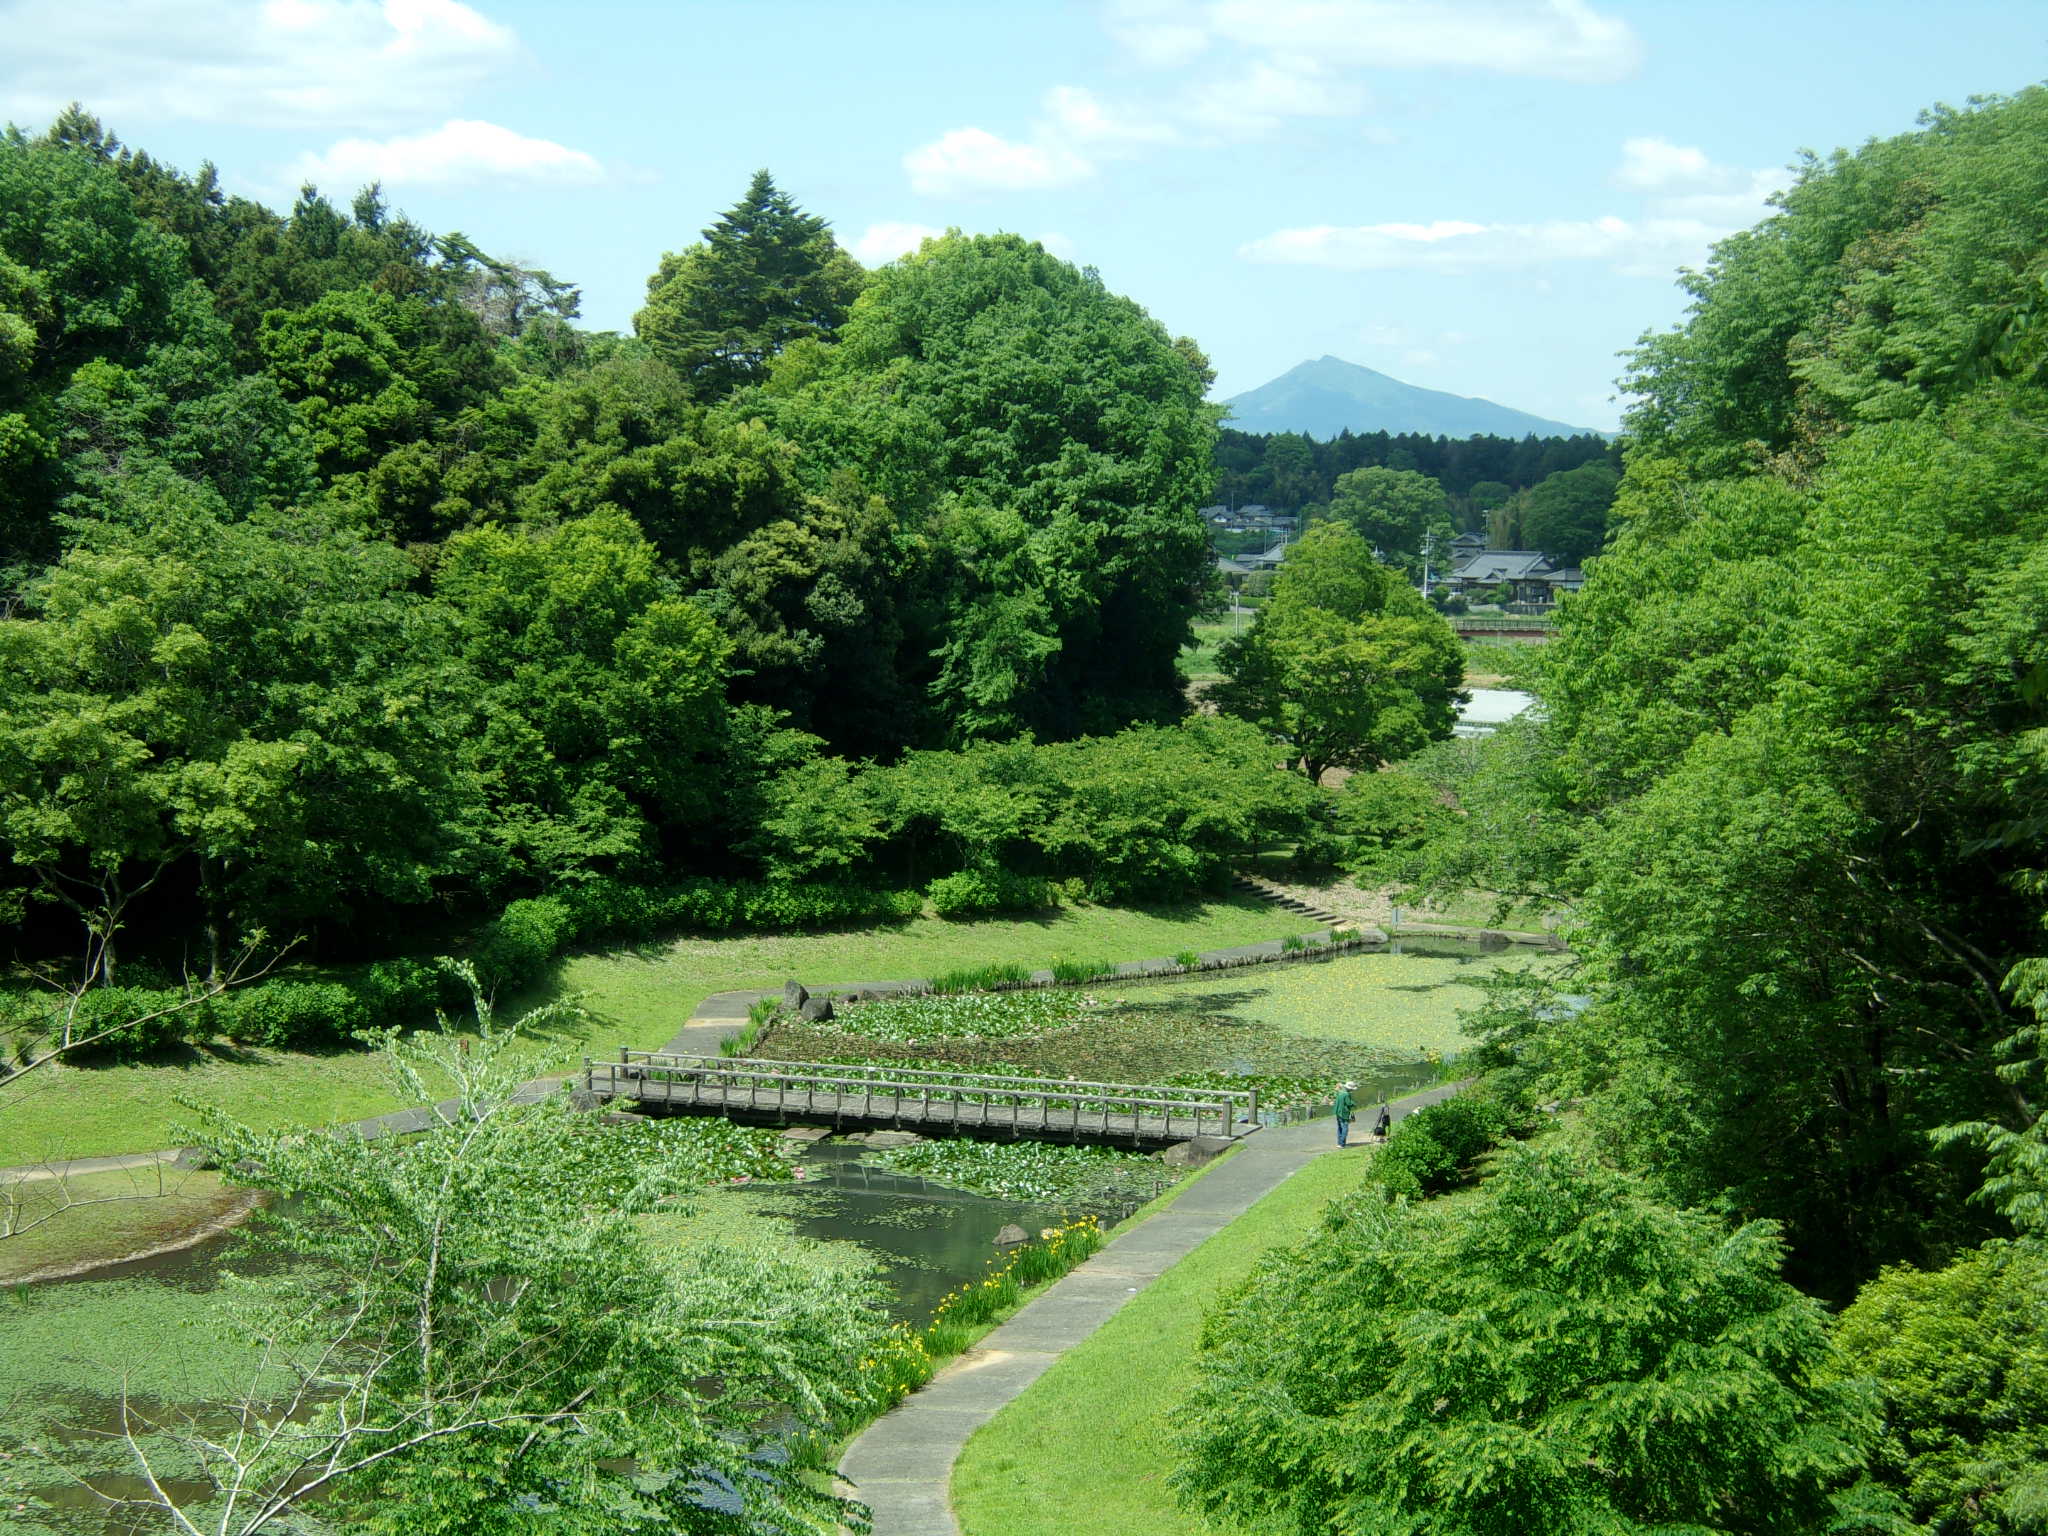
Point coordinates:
[[1527, 573]]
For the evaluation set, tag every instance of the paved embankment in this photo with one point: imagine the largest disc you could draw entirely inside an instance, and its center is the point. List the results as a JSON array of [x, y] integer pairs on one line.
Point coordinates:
[[901, 1465]]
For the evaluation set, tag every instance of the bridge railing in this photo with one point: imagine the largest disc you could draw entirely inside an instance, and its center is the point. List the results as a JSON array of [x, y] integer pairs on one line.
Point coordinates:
[[973, 1100]]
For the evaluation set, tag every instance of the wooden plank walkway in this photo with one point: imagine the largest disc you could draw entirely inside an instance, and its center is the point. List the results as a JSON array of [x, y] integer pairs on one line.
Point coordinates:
[[985, 1104]]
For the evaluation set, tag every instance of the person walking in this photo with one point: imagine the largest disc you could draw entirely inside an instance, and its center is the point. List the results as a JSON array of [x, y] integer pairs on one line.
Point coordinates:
[[1346, 1107]]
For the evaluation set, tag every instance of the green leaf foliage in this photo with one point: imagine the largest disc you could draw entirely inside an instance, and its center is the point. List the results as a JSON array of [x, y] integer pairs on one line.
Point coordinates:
[[1558, 1352], [1346, 663], [1960, 1356]]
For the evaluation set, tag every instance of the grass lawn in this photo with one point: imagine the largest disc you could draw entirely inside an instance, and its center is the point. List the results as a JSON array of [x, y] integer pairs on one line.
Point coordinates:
[[1198, 661], [1085, 1451], [105, 1216], [638, 996]]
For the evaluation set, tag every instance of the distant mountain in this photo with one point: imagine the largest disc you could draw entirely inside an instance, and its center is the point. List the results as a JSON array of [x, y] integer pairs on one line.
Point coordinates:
[[1324, 397]]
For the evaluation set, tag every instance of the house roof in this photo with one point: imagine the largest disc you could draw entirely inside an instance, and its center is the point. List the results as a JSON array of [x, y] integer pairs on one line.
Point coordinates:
[[1570, 576], [1502, 565], [1469, 541], [1232, 568]]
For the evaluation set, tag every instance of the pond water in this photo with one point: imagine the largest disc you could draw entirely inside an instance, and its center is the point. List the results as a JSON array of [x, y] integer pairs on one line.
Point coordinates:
[[1489, 709]]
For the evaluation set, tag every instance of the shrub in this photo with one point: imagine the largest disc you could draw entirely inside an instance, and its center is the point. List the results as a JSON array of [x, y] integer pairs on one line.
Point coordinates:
[[108, 1006], [1435, 1147], [1291, 943], [281, 1012], [397, 994], [515, 949], [1188, 960], [979, 892]]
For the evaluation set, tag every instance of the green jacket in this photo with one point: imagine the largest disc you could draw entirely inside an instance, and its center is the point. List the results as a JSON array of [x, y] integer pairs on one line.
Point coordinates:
[[1345, 1104]]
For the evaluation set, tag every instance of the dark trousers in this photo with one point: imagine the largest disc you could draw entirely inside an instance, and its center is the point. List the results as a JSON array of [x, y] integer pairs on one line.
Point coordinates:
[[1343, 1132]]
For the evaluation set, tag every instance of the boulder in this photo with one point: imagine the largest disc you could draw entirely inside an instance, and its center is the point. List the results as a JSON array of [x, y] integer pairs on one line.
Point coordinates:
[[195, 1157], [582, 1100], [1192, 1154], [1011, 1236], [794, 996], [816, 1010]]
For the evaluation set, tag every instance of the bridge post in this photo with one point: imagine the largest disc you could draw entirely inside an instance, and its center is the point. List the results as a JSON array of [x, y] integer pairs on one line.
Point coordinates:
[[1253, 1112]]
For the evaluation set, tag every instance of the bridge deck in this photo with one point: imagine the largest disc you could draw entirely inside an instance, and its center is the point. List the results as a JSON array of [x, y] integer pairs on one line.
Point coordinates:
[[946, 1102]]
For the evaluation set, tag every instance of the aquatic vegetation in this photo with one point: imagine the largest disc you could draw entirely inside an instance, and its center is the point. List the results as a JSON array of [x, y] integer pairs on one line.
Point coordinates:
[[634, 1165], [982, 978], [972, 1015], [1029, 1170]]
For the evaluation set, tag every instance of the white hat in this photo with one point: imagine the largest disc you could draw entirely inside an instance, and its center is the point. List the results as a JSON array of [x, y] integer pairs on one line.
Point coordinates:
[[1351, 1085]]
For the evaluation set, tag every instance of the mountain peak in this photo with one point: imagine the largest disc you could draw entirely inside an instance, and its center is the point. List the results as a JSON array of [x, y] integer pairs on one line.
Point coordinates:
[[1327, 395]]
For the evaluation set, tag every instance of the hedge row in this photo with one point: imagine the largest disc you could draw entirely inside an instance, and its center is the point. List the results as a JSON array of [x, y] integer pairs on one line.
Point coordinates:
[[511, 951]]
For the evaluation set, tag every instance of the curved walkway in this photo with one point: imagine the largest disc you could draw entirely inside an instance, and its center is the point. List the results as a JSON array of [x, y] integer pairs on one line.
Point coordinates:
[[902, 1464]]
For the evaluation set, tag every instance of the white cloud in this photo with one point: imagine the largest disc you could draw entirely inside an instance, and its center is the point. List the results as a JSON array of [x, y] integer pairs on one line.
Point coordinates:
[[1259, 64], [1553, 39], [975, 160], [1164, 34], [1658, 165], [1687, 202], [1634, 247], [1683, 182], [1075, 116], [458, 151], [1074, 130], [1261, 98], [291, 63], [888, 240]]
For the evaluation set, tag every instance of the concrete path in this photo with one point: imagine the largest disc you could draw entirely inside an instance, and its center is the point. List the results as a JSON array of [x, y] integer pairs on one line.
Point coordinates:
[[901, 1465], [75, 1167]]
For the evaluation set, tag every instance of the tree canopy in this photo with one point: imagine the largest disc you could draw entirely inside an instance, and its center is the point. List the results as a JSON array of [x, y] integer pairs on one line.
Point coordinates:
[[1346, 663]]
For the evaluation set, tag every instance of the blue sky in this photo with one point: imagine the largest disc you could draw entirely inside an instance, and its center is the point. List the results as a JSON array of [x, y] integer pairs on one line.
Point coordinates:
[[1484, 196]]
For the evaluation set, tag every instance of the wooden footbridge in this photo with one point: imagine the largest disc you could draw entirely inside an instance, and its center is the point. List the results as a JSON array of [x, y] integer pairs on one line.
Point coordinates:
[[883, 1095]]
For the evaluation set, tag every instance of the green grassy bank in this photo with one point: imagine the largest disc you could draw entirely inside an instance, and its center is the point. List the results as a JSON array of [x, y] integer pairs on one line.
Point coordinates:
[[1085, 1451], [635, 996]]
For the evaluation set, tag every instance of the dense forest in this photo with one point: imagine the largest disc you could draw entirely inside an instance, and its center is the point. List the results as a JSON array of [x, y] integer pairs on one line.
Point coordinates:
[[354, 590], [1788, 779], [1549, 493]]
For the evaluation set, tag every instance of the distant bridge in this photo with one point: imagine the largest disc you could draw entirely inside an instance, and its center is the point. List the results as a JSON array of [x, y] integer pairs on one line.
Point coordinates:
[[1496, 626], [971, 1103]]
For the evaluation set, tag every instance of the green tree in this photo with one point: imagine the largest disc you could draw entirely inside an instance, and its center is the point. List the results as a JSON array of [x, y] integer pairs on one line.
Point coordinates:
[[1389, 508], [268, 711], [601, 692], [1052, 443], [1345, 663], [767, 274], [1560, 1352], [1960, 1355], [1566, 515]]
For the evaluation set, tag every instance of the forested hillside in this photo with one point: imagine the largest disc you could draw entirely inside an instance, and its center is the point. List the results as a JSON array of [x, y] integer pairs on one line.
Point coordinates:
[[351, 585]]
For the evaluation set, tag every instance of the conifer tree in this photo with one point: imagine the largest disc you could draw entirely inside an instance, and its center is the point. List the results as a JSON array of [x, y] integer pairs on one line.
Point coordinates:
[[766, 274]]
